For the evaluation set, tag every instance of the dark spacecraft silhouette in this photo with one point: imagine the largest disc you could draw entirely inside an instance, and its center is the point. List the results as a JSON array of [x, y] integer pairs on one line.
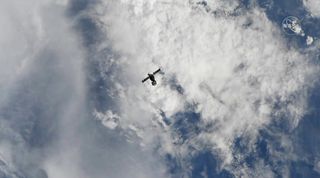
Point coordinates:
[[151, 77]]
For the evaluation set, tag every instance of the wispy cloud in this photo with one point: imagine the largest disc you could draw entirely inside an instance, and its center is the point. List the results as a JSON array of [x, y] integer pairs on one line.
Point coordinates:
[[42, 81]]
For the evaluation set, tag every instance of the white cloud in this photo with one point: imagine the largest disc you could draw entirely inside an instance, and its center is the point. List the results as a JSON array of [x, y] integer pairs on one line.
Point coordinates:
[[34, 55], [313, 6], [249, 73], [236, 70], [309, 40], [317, 166], [44, 117], [108, 119]]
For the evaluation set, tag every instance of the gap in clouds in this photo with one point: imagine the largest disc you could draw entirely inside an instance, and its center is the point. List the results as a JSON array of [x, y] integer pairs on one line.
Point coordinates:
[[286, 149], [277, 11]]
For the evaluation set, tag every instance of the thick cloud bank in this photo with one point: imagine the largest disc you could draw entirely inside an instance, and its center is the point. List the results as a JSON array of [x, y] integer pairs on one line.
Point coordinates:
[[313, 6], [47, 129], [230, 66], [42, 86]]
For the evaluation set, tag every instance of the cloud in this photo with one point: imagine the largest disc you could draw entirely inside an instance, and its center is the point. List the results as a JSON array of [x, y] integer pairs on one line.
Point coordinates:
[[313, 6], [47, 126], [108, 119], [235, 68], [41, 79], [228, 66]]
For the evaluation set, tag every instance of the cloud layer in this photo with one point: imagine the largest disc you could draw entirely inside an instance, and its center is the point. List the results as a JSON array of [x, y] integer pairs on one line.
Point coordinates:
[[47, 126], [313, 6], [227, 73], [232, 63]]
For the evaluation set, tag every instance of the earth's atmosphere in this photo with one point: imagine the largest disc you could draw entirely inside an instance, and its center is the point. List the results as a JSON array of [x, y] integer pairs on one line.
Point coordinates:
[[237, 95]]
